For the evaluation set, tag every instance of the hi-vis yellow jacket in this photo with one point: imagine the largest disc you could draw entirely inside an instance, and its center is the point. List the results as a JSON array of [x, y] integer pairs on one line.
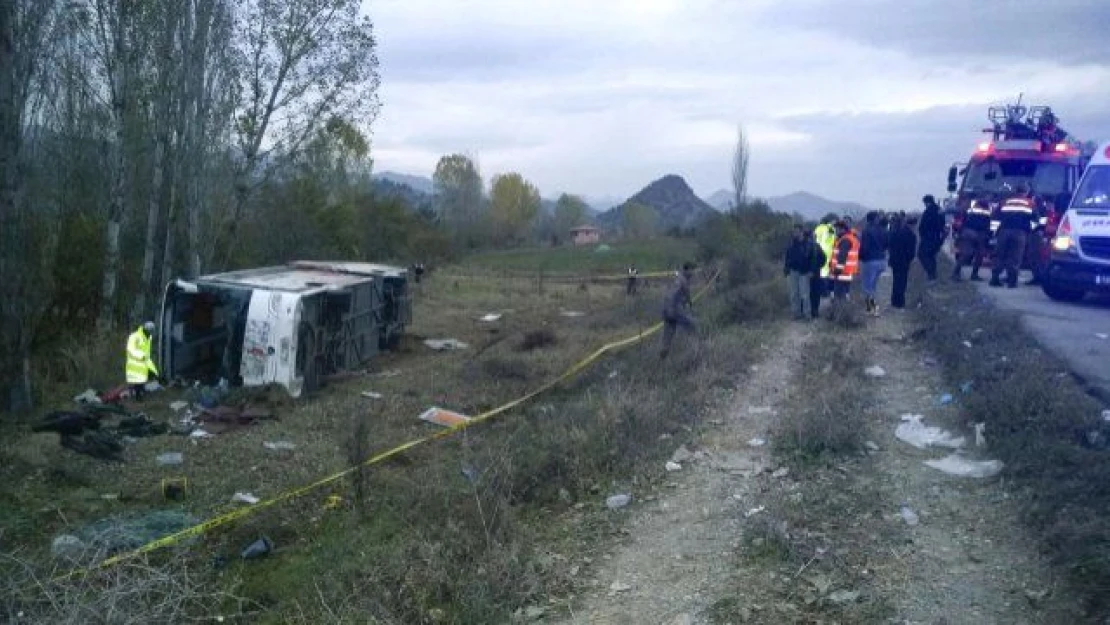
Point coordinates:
[[139, 363], [825, 237]]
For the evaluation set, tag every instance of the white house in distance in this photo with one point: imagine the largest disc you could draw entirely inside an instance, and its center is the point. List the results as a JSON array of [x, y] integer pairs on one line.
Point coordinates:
[[585, 235]]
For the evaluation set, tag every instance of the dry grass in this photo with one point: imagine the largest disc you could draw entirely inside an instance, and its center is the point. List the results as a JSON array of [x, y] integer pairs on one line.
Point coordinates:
[[1040, 422]]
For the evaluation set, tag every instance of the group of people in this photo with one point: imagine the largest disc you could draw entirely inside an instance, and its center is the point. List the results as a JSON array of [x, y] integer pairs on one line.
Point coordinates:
[[826, 261], [1017, 220]]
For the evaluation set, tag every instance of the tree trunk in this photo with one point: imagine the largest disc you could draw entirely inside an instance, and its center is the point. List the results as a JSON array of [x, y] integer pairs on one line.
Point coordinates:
[[111, 275], [167, 246], [11, 228], [153, 216]]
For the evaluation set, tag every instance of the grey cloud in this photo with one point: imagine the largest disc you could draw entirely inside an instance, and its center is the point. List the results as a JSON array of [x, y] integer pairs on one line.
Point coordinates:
[[1067, 32]]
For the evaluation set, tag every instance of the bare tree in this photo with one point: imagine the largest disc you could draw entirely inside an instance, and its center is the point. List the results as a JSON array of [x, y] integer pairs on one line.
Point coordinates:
[[740, 156], [303, 62]]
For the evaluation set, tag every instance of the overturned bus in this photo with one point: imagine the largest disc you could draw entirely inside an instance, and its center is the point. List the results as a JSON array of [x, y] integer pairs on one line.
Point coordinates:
[[289, 325]]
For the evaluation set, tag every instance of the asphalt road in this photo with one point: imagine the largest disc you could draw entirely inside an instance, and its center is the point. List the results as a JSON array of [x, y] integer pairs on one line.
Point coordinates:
[[1078, 333]]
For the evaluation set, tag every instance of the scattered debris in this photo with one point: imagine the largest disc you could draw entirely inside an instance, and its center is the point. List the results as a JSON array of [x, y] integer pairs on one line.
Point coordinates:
[[472, 474], [980, 439], [615, 502], [1106, 415], [871, 445], [128, 532], [392, 373], [371, 395], [445, 344], [966, 387], [534, 612], [332, 502], [844, 596], [1034, 597], [572, 313], [754, 511], [153, 387], [875, 371], [968, 344], [908, 515], [756, 410], [757, 442], [220, 419], [174, 488], [913, 430], [929, 361], [672, 467], [955, 464], [616, 587], [68, 547], [246, 498], [446, 418], [945, 399], [681, 454], [279, 445], [170, 459], [178, 406], [781, 472], [257, 549], [490, 317], [88, 397], [140, 425]]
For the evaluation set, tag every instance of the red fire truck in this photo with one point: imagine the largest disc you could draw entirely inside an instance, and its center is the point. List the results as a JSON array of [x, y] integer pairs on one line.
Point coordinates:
[[1026, 146]]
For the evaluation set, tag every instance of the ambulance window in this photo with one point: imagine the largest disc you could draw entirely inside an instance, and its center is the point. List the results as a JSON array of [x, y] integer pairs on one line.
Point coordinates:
[[1094, 190]]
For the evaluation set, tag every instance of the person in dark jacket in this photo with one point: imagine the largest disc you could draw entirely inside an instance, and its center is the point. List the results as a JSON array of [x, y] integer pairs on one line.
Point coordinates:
[[903, 247], [971, 243], [817, 284], [676, 307], [1017, 217], [872, 258], [931, 230], [798, 267]]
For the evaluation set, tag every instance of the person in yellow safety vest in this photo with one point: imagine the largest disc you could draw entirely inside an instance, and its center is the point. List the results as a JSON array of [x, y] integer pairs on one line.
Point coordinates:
[[139, 363], [844, 262], [824, 235]]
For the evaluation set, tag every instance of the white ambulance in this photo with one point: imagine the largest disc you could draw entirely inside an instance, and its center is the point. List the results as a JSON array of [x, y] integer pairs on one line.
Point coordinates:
[[1080, 257]]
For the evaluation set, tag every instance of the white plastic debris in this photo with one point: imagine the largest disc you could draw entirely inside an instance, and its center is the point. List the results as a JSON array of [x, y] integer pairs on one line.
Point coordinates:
[[178, 406], [960, 466], [1106, 415], [757, 442], [170, 459], [672, 466], [913, 431], [760, 410], [572, 313], [445, 344], [247, 498], [200, 433], [754, 511], [153, 387], [908, 515], [88, 397], [279, 445], [490, 317], [875, 371], [371, 395], [980, 440], [614, 502], [967, 344], [780, 473]]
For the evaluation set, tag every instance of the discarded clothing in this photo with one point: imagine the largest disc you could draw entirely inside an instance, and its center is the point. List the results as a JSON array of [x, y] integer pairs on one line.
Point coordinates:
[[913, 431]]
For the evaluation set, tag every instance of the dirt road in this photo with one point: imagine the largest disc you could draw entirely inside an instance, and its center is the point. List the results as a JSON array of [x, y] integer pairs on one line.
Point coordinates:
[[966, 559], [1077, 333]]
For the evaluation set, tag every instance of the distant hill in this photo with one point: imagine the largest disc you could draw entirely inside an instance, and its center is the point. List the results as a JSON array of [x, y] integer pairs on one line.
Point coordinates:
[[814, 207], [672, 199], [721, 199], [416, 183]]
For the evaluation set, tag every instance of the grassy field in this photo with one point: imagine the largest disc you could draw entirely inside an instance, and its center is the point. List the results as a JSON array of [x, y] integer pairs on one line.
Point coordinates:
[[659, 254], [462, 530]]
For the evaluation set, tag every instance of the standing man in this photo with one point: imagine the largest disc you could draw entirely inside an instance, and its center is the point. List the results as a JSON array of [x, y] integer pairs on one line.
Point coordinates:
[[140, 365], [1016, 220], [633, 274], [845, 261], [872, 258], [676, 307], [931, 230], [819, 265], [797, 265], [903, 247], [971, 242], [825, 236]]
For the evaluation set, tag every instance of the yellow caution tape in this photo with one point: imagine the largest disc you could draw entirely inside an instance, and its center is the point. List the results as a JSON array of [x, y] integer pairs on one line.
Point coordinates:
[[235, 515]]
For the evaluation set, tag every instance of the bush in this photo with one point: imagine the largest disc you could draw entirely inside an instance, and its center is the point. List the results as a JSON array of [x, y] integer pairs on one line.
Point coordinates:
[[755, 302]]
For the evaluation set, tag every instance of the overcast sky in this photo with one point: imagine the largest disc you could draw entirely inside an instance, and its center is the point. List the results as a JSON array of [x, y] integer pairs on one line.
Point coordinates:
[[865, 100]]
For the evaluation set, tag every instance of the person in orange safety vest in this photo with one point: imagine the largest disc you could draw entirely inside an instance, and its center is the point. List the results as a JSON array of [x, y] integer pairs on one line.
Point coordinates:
[[844, 261]]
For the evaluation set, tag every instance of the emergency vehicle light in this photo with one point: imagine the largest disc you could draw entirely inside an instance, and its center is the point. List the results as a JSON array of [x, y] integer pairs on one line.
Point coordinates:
[[1107, 152], [1061, 147], [985, 146]]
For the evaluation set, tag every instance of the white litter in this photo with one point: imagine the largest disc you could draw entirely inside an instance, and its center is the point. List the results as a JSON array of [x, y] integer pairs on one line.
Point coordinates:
[[490, 317], [913, 431], [614, 502], [672, 466], [967, 344], [980, 440], [572, 313], [279, 445], [445, 344], [757, 442], [955, 464], [754, 511], [199, 433], [875, 371], [371, 395], [178, 406], [153, 387], [88, 397], [760, 410], [1106, 415], [244, 498]]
